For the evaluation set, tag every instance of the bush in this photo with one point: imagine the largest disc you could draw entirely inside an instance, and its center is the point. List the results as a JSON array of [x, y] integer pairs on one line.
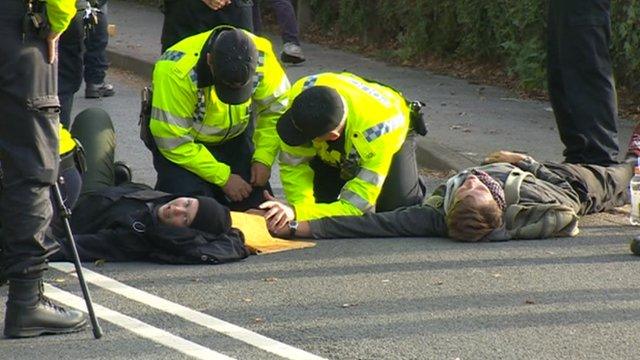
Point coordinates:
[[503, 31]]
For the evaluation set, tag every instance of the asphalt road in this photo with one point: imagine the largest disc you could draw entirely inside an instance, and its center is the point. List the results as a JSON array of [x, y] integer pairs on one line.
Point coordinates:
[[398, 298]]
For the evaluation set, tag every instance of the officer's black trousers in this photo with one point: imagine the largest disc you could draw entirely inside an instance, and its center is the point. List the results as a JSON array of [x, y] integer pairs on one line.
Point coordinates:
[[184, 18], [581, 85], [402, 186], [236, 153], [28, 144], [70, 50]]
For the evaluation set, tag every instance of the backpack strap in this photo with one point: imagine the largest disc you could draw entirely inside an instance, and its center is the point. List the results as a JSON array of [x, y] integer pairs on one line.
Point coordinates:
[[512, 185]]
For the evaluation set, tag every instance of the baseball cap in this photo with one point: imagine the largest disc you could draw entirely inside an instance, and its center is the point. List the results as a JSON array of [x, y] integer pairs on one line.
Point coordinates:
[[314, 112], [234, 64]]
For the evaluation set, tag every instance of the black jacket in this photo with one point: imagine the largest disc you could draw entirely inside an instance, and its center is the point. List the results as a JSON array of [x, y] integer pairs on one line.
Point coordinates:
[[119, 224]]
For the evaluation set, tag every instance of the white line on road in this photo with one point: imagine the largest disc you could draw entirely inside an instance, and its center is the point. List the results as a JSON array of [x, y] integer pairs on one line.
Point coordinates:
[[208, 321], [136, 326]]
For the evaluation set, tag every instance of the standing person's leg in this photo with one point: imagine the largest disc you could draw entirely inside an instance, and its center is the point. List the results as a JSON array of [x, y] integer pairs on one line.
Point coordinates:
[[70, 52], [286, 16], [239, 14], [402, 187], [95, 58], [581, 84], [94, 130], [29, 152], [257, 17]]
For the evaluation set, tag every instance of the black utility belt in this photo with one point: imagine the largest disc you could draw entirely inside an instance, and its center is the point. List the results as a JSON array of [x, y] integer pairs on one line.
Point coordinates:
[[74, 158]]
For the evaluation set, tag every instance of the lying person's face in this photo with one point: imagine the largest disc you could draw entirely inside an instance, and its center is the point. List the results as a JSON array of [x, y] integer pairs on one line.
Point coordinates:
[[178, 212], [475, 213], [474, 188]]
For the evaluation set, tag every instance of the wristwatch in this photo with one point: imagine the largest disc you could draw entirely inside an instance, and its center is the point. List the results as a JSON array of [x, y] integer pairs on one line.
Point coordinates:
[[293, 227]]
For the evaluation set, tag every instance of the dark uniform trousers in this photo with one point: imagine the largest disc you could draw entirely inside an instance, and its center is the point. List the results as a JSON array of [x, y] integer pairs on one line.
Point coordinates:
[[402, 186], [184, 18], [95, 56], [580, 77], [28, 144], [237, 153], [70, 53]]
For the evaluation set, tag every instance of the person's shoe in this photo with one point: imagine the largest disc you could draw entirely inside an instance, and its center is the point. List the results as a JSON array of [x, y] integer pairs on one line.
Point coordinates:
[[292, 53], [121, 173], [29, 313], [633, 150], [96, 91]]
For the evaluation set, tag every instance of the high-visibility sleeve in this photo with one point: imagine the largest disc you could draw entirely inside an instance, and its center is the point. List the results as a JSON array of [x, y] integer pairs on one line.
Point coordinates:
[[60, 13], [171, 122], [271, 99]]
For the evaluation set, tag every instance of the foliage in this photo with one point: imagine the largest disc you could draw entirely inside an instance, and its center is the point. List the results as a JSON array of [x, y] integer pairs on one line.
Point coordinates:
[[502, 31]]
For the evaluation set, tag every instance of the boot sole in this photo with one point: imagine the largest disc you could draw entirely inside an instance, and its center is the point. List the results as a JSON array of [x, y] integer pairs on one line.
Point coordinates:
[[286, 58], [94, 95], [33, 332]]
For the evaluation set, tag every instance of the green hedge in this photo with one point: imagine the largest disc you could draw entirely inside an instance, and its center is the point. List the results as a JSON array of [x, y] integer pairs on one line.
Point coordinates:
[[505, 31]]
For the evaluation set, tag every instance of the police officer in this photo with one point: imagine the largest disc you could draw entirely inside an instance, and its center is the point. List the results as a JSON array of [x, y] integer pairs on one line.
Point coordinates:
[[581, 85], [347, 149], [184, 18], [204, 90], [28, 144]]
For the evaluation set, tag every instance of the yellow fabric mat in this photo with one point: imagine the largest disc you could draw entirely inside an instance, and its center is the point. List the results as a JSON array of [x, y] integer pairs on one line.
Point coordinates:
[[258, 239]]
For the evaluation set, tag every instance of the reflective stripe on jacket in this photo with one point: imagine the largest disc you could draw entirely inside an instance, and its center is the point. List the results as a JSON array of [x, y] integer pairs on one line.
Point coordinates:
[[184, 118], [376, 127], [60, 13]]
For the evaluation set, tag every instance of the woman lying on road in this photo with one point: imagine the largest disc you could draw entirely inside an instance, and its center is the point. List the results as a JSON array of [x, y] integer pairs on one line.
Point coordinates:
[[512, 196], [132, 222]]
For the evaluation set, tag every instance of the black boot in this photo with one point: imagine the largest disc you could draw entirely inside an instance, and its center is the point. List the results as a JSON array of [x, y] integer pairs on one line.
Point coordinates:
[[29, 313], [121, 173]]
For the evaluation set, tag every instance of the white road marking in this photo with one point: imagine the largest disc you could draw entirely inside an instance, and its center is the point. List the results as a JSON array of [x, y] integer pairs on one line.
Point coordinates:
[[136, 326], [208, 321]]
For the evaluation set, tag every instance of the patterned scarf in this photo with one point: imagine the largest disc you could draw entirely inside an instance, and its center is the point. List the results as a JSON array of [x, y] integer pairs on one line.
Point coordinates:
[[497, 192]]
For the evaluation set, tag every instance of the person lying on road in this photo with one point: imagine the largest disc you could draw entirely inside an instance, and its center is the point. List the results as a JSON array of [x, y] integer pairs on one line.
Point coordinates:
[[512, 196]]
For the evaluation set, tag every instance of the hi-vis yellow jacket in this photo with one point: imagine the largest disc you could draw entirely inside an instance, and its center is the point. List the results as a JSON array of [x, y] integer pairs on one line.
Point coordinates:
[[60, 13], [66, 141], [187, 115], [376, 127]]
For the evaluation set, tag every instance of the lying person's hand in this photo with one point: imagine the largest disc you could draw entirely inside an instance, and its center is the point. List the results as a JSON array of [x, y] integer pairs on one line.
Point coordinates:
[[236, 188], [282, 232], [504, 156], [278, 214]]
